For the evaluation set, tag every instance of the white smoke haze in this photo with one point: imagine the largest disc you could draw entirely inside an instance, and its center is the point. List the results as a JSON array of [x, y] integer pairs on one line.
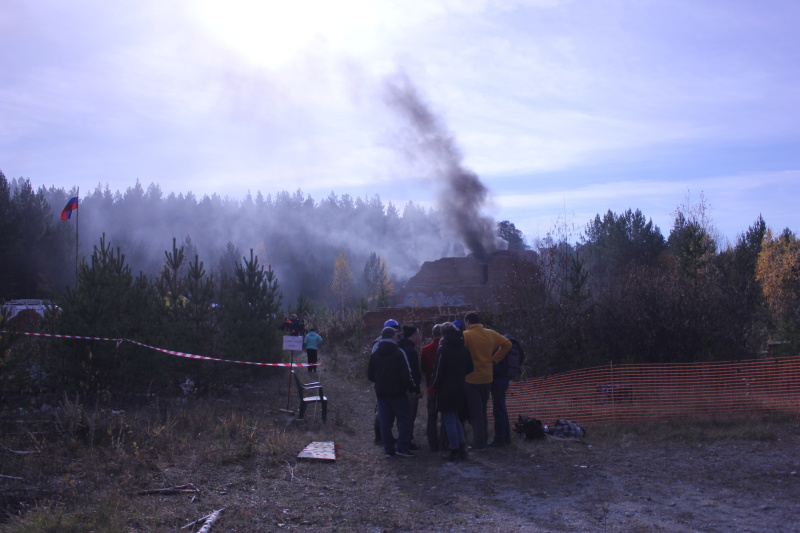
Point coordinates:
[[300, 236]]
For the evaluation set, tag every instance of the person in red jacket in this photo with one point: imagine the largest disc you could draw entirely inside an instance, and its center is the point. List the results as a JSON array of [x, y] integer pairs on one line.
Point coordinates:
[[427, 360]]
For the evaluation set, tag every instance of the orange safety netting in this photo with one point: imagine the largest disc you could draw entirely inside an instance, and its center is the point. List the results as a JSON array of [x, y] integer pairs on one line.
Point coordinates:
[[660, 391]]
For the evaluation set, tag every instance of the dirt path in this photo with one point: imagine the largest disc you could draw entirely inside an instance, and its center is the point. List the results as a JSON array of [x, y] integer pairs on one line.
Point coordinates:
[[686, 479]]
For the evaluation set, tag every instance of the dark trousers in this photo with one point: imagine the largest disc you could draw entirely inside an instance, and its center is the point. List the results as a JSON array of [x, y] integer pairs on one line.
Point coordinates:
[[477, 400], [391, 408], [311, 353], [502, 427], [433, 431], [377, 426]]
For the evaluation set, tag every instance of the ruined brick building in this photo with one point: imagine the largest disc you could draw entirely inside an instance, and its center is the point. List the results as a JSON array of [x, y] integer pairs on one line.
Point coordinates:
[[461, 281], [447, 288]]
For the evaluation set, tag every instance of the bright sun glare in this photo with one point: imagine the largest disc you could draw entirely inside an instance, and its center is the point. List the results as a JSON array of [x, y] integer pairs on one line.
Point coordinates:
[[272, 33]]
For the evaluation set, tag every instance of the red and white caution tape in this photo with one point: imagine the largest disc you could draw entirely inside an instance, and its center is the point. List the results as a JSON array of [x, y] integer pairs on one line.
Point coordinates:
[[170, 352]]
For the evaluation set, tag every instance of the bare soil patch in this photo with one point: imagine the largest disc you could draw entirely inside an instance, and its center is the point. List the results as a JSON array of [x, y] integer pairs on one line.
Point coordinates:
[[239, 451]]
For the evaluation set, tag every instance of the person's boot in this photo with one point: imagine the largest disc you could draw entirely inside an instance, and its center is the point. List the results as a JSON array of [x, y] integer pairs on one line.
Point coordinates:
[[462, 451], [454, 455]]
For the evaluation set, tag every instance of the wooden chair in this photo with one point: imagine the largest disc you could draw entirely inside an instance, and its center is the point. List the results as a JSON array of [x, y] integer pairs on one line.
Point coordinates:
[[316, 395]]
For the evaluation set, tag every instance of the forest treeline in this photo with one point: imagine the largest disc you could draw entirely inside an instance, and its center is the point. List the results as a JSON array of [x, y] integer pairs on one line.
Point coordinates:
[[215, 277], [625, 294]]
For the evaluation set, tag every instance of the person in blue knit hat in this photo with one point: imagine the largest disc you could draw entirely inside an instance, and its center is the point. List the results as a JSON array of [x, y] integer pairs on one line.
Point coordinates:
[[394, 324], [390, 372]]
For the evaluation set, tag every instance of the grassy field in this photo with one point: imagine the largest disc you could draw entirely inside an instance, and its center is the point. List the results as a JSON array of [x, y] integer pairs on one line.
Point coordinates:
[[166, 462]]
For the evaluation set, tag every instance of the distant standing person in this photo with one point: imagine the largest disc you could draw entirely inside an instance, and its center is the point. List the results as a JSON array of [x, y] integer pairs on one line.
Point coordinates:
[[453, 363], [298, 327], [293, 326], [310, 342], [487, 347], [391, 373]]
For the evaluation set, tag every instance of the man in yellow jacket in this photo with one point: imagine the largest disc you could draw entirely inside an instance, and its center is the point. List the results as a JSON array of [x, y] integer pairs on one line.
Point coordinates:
[[487, 348]]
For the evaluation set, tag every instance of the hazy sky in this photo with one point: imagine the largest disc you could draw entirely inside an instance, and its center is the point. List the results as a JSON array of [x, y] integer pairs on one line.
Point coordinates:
[[564, 109]]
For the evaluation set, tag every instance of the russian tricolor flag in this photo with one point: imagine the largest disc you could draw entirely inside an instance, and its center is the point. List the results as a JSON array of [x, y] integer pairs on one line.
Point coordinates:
[[67, 212]]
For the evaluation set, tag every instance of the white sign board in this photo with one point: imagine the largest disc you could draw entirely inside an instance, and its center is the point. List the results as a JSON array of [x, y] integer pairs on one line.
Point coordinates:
[[293, 343]]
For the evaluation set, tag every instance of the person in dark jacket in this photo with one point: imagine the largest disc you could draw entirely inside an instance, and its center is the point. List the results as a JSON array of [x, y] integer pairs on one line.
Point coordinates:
[[498, 390], [453, 363], [408, 343], [390, 371], [391, 323]]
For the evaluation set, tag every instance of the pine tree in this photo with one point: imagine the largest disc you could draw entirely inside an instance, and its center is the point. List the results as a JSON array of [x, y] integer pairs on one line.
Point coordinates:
[[251, 313], [199, 308], [170, 282], [514, 237], [377, 282], [98, 307]]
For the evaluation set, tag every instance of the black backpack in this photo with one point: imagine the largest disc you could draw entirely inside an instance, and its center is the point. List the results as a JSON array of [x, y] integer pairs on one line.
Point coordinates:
[[529, 427], [514, 359]]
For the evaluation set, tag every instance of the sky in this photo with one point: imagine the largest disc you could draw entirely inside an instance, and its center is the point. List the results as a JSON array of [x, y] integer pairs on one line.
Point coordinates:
[[564, 109]]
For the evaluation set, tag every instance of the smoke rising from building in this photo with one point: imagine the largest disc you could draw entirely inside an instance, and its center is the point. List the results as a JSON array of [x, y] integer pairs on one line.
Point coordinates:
[[428, 141], [299, 236]]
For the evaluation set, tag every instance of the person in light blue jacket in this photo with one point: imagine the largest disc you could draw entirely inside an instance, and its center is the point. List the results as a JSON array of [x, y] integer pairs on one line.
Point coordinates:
[[310, 343]]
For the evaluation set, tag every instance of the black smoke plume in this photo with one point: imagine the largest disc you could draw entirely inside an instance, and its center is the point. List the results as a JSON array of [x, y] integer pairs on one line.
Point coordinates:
[[428, 141]]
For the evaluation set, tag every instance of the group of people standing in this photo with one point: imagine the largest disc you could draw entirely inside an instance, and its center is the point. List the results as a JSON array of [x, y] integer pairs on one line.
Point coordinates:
[[461, 372]]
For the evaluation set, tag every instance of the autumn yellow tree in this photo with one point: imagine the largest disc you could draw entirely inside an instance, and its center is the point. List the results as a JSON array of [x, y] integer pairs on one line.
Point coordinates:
[[778, 271], [342, 284]]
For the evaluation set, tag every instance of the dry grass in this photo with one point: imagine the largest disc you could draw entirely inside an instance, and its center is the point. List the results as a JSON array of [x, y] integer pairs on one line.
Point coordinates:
[[88, 468], [76, 467]]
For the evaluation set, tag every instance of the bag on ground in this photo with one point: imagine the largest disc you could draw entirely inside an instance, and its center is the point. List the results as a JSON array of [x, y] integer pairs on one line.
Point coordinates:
[[529, 427], [565, 428]]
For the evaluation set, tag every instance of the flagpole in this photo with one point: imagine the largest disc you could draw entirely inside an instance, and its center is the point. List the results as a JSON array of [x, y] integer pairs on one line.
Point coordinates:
[[77, 233]]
